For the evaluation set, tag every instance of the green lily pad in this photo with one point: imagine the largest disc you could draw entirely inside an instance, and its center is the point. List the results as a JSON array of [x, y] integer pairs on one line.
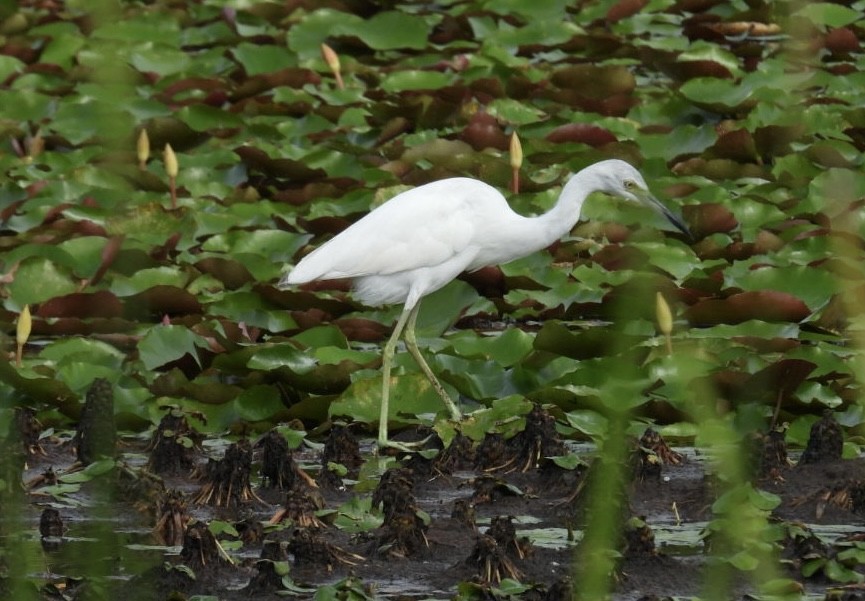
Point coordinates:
[[257, 59], [409, 80], [411, 395], [506, 348], [38, 280], [282, 355], [828, 14], [259, 403], [164, 344]]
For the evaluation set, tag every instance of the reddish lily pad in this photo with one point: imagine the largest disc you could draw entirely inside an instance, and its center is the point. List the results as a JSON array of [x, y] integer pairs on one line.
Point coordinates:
[[101, 303], [162, 300], [231, 273], [709, 218], [766, 305], [582, 133]]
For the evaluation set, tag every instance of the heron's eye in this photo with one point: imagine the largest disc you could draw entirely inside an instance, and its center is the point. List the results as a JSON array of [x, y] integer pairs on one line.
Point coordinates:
[[630, 184]]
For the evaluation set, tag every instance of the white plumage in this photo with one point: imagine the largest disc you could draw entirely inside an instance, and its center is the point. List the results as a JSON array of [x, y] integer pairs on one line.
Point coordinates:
[[422, 239]]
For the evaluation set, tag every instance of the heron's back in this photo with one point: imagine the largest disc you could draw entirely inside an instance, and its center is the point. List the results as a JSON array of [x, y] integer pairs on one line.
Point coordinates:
[[419, 240]]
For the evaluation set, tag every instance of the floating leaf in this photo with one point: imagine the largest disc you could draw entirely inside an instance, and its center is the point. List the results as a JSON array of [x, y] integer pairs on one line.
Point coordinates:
[[828, 14], [590, 423], [411, 395], [720, 94], [164, 344], [506, 348], [257, 58], [765, 305], [38, 280], [282, 355], [259, 403], [387, 30], [813, 286], [162, 60], [514, 112], [408, 80]]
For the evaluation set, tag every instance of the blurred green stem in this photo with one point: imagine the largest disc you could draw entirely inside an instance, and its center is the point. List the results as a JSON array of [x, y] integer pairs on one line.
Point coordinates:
[[596, 558]]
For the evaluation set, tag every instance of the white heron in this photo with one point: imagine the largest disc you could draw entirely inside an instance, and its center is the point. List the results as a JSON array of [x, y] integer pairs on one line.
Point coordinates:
[[423, 238]]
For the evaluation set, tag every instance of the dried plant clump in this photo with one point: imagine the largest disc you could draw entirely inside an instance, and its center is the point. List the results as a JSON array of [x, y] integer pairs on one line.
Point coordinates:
[[464, 512], [48, 477], [227, 480], [492, 453], [51, 529], [394, 493], [639, 539], [96, 435], [561, 590], [487, 489], [171, 522], [303, 497], [308, 548], [555, 477], [268, 576], [849, 496], [503, 530], [301, 504], [403, 535], [172, 447], [768, 454], [51, 524], [800, 545], [526, 450], [536, 441], [655, 443], [491, 561], [29, 430], [647, 465], [825, 441], [403, 532], [143, 489], [340, 449], [250, 530], [201, 549], [278, 467], [459, 455]]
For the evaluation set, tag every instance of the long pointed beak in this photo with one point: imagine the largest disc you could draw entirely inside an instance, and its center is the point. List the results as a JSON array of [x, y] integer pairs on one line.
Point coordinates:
[[677, 221]]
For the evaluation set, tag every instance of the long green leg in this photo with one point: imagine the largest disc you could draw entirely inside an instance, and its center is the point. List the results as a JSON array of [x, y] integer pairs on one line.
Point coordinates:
[[386, 363], [411, 343]]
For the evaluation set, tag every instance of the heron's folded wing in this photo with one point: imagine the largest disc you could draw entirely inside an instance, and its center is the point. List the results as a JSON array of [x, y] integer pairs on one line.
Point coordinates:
[[423, 227]]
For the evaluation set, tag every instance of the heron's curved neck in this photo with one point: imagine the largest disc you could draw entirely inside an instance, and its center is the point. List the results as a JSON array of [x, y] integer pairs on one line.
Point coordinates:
[[516, 236], [559, 220]]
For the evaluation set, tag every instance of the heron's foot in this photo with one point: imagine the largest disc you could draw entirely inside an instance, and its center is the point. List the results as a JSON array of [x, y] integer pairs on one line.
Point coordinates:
[[405, 447]]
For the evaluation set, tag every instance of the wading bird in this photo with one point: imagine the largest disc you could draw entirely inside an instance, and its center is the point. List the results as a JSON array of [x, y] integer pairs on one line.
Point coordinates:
[[422, 239]]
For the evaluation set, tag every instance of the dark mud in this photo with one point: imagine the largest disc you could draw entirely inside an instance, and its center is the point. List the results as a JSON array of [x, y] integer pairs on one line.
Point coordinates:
[[447, 526]]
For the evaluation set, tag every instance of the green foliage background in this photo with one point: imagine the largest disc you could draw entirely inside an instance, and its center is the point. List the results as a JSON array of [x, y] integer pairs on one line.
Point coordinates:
[[745, 115]]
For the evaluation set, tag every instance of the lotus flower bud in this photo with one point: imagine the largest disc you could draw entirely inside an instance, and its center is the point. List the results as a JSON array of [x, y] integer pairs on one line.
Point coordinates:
[[663, 314], [332, 60], [22, 332], [171, 167], [516, 152], [143, 148]]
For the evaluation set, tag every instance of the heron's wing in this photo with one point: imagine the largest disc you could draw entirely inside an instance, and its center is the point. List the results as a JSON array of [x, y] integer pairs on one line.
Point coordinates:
[[423, 227]]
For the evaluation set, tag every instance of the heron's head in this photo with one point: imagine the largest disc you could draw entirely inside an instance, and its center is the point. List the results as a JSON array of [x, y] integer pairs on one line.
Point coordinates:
[[618, 178]]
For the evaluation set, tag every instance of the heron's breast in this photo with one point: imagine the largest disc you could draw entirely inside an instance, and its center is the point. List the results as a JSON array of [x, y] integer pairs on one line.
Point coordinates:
[[411, 285]]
